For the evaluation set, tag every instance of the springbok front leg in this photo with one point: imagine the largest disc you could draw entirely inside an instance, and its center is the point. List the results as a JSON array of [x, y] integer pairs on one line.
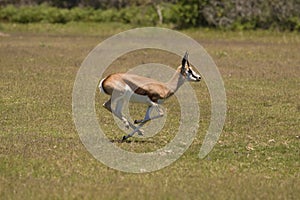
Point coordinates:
[[148, 113]]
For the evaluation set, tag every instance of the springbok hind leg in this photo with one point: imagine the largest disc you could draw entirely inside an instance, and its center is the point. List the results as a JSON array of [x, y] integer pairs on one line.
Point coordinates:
[[118, 114], [118, 111]]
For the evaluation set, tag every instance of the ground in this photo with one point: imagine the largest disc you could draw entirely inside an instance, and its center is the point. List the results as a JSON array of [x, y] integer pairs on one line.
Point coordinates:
[[42, 156]]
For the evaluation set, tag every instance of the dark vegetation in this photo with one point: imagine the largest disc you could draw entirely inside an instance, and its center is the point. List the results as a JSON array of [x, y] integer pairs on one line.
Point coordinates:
[[223, 14]]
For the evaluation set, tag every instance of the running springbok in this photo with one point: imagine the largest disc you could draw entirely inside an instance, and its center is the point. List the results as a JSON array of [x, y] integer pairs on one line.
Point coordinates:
[[124, 87]]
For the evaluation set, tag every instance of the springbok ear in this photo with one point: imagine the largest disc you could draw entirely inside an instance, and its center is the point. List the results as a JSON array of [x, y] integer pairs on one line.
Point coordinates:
[[184, 60]]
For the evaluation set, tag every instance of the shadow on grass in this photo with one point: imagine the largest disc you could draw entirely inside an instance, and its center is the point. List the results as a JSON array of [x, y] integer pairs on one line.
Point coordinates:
[[139, 141]]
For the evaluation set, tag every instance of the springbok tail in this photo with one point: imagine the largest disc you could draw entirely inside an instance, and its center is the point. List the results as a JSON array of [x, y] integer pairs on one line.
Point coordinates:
[[101, 87]]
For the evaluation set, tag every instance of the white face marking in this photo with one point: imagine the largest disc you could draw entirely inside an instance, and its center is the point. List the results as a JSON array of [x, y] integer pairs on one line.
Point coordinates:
[[192, 75]]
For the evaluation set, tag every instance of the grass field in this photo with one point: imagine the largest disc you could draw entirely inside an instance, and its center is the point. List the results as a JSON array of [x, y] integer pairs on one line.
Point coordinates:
[[42, 157]]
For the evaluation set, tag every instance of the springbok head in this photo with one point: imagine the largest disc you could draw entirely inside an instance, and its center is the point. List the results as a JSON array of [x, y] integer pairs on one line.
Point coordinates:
[[187, 70]]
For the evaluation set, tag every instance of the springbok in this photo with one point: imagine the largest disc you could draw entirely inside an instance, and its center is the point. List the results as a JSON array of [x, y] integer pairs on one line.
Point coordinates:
[[124, 87]]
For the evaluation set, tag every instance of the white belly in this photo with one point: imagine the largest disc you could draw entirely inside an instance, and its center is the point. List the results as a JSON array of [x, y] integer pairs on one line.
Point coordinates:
[[133, 97]]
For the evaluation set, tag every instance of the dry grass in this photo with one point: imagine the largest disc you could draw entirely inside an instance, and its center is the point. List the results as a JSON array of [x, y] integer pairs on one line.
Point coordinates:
[[42, 157]]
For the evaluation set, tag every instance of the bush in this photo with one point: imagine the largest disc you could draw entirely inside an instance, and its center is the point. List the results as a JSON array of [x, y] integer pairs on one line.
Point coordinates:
[[139, 15], [251, 14], [80, 14], [7, 13], [31, 14], [54, 15], [27, 14], [224, 14], [109, 15], [185, 14]]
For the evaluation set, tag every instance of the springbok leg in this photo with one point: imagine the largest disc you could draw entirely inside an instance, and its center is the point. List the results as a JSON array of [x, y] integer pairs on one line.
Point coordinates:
[[118, 114], [148, 112], [137, 129]]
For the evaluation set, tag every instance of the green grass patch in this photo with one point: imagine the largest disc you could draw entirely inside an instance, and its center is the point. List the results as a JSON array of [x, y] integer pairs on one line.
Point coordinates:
[[41, 155]]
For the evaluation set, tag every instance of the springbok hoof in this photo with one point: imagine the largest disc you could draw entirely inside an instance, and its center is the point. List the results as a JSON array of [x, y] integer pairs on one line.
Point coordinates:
[[126, 124], [124, 138], [141, 121], [141, 133], [137, 121]]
